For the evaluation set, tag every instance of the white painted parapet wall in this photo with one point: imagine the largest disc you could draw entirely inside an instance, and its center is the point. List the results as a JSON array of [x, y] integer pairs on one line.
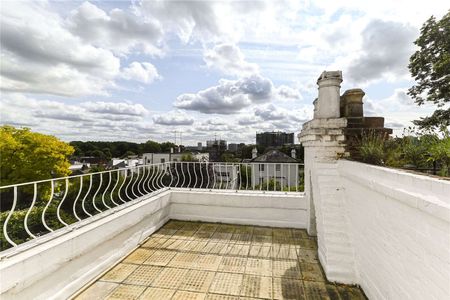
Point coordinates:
[[71, 257], [399, 225]]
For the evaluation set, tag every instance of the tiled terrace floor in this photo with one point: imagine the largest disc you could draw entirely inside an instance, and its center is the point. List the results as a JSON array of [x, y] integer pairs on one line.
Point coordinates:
[[190, 260]]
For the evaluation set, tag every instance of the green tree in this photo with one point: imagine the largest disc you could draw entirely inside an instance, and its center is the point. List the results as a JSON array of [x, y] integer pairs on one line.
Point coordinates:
[[165, 147], [430, 67], [188, 157], [30, 156], [151, 147]]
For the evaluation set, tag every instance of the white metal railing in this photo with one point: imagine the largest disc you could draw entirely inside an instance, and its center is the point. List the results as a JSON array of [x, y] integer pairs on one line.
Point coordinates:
[[33, 209]]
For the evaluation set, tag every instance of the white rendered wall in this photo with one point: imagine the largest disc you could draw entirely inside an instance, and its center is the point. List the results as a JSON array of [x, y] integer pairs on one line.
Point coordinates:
[[60, 267], [262, 209], [67, 261], [399, 225]]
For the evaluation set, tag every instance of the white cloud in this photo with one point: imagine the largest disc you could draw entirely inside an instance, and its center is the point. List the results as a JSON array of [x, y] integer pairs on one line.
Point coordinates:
[[229, 96], [229, 59], [285, 92], [174, 119], [386, 49], [118, 30], [39, 55], [144, 72], [115, 108]]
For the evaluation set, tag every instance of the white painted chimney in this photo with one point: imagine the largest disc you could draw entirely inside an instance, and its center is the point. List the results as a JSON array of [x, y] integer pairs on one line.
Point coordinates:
[[254, 153], [294, 154], [171, 150], [328, 103]]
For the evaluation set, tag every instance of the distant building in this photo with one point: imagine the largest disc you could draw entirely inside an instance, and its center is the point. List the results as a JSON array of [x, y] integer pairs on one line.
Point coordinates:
[[274, 138], [222, 144], [158, 158], [234, 147], [216, 148], [277, 166]]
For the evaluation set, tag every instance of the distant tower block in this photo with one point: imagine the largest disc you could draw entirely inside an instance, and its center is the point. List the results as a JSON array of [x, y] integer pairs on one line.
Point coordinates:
[[328, 102]]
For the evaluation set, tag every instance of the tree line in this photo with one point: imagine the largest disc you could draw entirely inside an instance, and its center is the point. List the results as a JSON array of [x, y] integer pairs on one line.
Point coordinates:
[[107, 150]]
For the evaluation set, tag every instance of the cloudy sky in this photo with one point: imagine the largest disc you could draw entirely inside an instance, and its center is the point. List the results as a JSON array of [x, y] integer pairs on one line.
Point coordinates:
[[139, 70]]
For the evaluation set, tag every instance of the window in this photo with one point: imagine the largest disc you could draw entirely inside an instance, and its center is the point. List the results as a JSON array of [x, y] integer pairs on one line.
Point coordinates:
[[163, 160], [261, 167], [278, 167]]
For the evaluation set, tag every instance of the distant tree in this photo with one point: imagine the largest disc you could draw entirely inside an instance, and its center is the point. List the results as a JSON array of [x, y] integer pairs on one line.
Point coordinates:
[[107, 153], [165, 147], [430, 67], [151, 147], [99, 154], [128, 154], [228, 157], [30, 156], [188, 157]]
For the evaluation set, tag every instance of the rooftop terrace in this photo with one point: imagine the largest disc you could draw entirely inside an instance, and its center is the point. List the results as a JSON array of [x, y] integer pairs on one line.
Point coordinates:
[[193, 260]]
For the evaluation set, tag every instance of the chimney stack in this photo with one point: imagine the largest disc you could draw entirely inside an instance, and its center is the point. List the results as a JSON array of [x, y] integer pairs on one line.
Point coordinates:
[[254, 153], [171, 150], [294, 154], [329, 101]]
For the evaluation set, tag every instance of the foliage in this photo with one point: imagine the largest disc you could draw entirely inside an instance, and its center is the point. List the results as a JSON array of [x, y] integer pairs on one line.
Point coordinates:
[[228, 157], [430, 67], [30, 156], [151, 147], [166, 146], [421, 150], [118, 149], [371, 148], [188, 157]]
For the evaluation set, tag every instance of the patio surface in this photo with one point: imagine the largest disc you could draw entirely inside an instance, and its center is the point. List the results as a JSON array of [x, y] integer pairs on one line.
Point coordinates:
[[194, 260]]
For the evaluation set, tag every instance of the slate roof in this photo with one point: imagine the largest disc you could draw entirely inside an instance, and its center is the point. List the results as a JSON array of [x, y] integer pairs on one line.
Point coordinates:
[[274, 156]]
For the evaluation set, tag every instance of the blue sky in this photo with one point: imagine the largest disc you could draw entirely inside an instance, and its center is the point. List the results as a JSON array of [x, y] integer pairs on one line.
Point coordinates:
[[119, 70]]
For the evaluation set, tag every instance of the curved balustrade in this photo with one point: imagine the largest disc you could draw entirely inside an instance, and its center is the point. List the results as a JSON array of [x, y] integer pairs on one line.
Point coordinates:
[[33, 209]]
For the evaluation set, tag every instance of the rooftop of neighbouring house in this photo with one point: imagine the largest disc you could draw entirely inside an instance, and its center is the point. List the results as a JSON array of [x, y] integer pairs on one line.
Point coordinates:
[[193, 260]]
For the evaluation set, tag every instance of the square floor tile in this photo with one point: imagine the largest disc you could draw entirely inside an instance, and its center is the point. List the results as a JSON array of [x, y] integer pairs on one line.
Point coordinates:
[[169, 278], [126, 292], [257, 286], [260, 251], [160, 257], [154, 242], [156, 294], [197, 281], [286, 269], [138, 256], [99, 290], [267, 231], [119, 272], [232, 264], [307, 256], [311, 272], [221, 297], [286, 288], [143, 275], [207, 262], [258, 266], [183, 295], [226, 283], [183, 260]]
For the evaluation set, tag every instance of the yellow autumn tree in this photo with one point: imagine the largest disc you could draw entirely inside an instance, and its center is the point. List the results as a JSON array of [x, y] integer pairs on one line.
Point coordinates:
[[30, 156]]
